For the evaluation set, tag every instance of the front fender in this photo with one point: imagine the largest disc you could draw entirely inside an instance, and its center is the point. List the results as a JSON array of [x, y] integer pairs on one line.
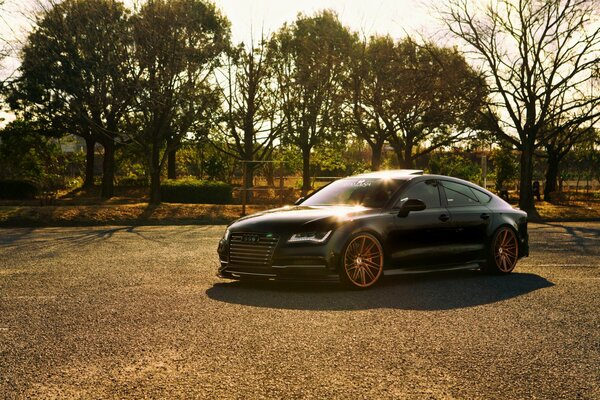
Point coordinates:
[[378, 226]]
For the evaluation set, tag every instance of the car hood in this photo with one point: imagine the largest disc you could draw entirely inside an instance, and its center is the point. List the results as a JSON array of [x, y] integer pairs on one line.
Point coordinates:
[[298, 218]]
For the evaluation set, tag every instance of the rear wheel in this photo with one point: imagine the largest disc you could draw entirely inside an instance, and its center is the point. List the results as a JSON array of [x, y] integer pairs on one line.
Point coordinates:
[[362, 262], [503, 252]]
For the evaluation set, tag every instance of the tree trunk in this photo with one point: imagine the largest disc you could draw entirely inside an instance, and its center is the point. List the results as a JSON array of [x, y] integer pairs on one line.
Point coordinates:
[[172, 164], [526, 201], [404, 157], [408, 161], [248, 180], [270, 173], [305, 170], [155, 175], [90, 147], [587, 183], [399, 157], [551, 175], [108, 170], [376, 148], [155, 187], [407, 164], [561, 182]]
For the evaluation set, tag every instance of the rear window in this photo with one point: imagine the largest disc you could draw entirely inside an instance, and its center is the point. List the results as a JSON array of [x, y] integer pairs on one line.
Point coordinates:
[[459, 195], [484, 198], [427, 192]]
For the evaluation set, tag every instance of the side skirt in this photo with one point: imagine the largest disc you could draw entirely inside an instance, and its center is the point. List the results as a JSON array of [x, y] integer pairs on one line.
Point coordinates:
[[408, 271]]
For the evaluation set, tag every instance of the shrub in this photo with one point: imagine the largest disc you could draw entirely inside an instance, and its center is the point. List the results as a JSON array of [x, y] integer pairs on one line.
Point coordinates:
[[132, 181], [17, 190], [455, 165], [506, 167], [26, 154], [195, 191]]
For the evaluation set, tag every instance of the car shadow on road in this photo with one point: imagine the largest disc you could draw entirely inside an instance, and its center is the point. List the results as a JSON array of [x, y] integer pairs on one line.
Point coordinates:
[[434, 291]]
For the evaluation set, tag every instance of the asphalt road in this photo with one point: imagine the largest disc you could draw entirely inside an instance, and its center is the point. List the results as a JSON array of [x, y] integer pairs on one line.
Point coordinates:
[[138, 312]]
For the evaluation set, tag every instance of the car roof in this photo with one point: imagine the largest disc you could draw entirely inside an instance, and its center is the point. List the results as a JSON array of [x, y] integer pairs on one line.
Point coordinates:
[[390, 174], [410, 174], [407, 174]]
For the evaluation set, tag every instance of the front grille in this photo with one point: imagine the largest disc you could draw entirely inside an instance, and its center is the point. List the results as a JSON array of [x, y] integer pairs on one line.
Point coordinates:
[[252, 249]]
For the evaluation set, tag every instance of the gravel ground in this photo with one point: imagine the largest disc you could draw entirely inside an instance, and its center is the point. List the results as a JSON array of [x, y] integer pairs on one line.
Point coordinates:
[[138, 312]]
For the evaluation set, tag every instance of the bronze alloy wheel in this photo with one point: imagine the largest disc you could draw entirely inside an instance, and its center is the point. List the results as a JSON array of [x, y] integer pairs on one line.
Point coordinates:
[[506, 250], [363, 261]]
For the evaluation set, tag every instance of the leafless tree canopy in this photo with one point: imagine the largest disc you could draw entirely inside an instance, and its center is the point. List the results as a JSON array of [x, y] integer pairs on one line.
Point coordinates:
[[541, 60], [250, 122], [5, 46]]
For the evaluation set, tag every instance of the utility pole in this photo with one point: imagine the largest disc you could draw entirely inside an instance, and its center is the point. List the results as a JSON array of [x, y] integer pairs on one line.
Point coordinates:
[[484, 170]]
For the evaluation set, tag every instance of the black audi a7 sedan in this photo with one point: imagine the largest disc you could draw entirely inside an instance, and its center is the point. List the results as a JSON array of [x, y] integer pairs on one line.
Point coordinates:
[[359, 228]]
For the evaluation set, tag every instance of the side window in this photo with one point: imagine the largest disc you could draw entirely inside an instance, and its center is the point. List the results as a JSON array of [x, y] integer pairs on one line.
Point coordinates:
[[459, 195], [427, 192], [484, 198]]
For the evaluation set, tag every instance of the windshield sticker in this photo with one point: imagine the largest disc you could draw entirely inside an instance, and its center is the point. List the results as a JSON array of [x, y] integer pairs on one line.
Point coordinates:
[[362, 183]]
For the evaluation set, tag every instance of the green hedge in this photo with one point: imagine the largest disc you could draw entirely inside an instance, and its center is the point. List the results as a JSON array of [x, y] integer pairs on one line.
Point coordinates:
[[17, 190], [195, 191], [132, 182]]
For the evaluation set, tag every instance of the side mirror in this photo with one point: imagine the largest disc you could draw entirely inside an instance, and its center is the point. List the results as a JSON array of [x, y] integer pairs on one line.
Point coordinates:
[[411, 205], [300, 200]]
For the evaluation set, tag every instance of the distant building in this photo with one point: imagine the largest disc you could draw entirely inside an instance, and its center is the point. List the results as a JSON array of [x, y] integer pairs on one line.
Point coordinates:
[[72, 144]]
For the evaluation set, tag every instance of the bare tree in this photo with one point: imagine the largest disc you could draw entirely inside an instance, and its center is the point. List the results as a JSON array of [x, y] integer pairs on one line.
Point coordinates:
[[7, 49], [251, 123], [538, 57], [4, 41], [368, 87], [311, 55], [557, 147]]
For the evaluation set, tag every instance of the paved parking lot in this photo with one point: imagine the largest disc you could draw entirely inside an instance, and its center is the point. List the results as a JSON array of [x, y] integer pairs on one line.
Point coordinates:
[[138, 312]]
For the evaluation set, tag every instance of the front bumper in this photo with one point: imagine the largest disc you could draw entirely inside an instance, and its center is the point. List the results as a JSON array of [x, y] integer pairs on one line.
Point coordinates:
[[296, 273], [289, 262]]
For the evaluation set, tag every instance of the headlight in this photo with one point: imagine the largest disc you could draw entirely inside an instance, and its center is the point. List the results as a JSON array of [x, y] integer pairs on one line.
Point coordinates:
[[311, 237]]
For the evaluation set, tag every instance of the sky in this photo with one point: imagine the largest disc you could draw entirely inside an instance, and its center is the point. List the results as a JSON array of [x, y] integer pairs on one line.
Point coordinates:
[[251, 17], [365, 16]]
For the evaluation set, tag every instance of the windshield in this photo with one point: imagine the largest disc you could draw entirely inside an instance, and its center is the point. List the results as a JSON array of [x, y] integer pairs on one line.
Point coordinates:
[[370, 192]]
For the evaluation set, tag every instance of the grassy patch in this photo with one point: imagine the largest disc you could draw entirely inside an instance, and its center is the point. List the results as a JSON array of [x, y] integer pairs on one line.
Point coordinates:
[[122, 214], [573, 211], [129, 207], [207, 214]]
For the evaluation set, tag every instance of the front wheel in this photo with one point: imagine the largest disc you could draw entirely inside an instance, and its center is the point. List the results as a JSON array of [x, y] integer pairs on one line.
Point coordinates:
[[362, 262], [503, 252]]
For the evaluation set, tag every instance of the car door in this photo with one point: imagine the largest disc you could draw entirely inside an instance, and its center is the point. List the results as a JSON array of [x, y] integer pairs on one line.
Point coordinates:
[[470, 221], [418, 240]]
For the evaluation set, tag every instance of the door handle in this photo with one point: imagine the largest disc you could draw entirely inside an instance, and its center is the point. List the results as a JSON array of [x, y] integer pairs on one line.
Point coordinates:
[[444, 217], [485, 216]]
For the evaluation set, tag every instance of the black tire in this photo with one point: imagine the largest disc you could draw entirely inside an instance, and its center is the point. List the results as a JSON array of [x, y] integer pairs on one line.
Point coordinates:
[[502, 252], [361, 263]]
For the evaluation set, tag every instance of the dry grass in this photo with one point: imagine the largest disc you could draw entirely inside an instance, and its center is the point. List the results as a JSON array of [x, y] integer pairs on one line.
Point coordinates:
[[129, 207], [574, 211], [122, 214], [176, 214]]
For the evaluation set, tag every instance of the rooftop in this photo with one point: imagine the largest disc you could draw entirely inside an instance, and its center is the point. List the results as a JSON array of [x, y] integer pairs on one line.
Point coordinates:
[[391, 173]]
